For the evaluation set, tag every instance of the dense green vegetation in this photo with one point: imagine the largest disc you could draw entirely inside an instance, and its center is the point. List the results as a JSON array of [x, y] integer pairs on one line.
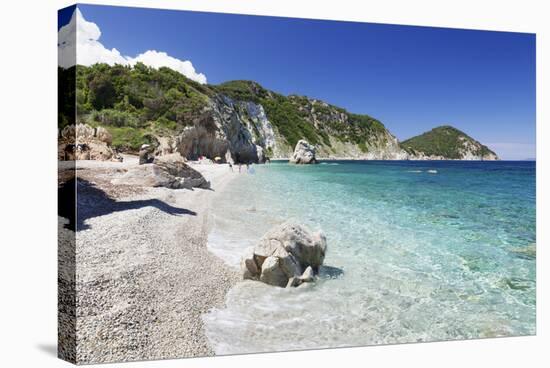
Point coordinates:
[[339, 123], [443, 141], [290, 122], [293, 116], [242, 90], [135, 102], [362, 127]]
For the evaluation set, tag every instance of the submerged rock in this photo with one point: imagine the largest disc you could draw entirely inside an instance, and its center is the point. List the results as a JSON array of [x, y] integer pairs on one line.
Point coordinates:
[[308, 275], [304, 153], [528, 252], [516, 283], [287, 255]]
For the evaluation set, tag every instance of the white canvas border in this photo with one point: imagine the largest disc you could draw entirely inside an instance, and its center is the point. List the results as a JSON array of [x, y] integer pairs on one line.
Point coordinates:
[[28, 270]]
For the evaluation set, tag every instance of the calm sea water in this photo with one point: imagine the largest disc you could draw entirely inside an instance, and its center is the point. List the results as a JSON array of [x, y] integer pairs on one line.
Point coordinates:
[[414, 254]]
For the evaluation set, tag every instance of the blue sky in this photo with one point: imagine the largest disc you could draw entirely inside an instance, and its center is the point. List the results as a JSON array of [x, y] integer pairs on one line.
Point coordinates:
[[410, 78]]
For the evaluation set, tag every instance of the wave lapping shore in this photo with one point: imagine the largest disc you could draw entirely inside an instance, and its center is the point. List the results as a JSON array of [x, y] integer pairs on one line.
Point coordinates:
[[429, 251]]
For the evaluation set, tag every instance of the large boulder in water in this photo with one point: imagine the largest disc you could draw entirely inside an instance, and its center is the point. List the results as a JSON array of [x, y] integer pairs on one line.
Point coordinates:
[[287, 255], [272, 272], [304, 153]]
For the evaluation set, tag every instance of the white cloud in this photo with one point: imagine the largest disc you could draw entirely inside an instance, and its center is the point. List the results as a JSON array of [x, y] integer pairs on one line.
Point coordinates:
[[157, 59], [83, 36]]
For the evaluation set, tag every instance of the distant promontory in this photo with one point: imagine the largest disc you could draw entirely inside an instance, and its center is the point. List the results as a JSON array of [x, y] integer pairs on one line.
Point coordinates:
[[446, 142]]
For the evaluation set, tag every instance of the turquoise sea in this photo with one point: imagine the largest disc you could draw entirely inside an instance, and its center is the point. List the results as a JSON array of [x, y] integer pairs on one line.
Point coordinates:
[[418, 251]]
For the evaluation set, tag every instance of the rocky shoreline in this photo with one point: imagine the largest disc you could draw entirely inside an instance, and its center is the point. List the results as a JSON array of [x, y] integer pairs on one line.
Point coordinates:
[[144, 275]]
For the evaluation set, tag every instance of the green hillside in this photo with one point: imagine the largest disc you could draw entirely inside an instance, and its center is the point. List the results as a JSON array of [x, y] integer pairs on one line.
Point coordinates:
[[134, 102], [445, 141], [294, 116], [140, 102]]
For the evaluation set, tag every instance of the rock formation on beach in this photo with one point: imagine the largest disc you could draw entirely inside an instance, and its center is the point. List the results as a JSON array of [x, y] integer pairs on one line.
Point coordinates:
[[82, 142], [168, 171], [287, 255], [238, 121], [304, 153]]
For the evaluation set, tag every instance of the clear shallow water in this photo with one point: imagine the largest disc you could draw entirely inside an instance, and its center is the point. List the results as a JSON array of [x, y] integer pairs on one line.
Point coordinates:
[[425, 256]]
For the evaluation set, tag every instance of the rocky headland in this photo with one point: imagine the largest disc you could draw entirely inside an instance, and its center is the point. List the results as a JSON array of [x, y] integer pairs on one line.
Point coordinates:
[[447, 143]]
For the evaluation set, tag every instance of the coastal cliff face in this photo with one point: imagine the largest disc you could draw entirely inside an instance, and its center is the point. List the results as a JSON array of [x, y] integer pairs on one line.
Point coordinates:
[[238, 120], [228, 129], [252, 119]]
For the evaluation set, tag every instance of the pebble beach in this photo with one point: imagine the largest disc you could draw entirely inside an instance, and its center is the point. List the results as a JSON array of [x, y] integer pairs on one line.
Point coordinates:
[[144, 275]]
